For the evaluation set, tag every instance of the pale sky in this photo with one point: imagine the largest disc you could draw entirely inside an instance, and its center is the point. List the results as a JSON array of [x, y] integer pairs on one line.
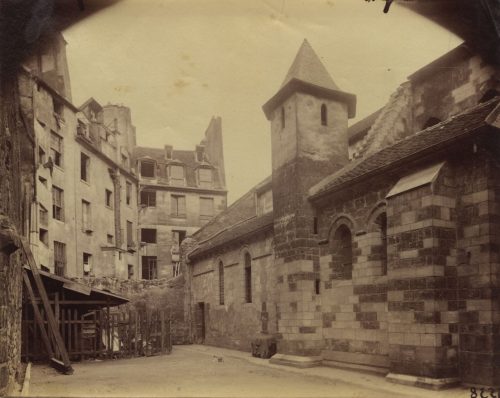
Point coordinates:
[[176, 63]]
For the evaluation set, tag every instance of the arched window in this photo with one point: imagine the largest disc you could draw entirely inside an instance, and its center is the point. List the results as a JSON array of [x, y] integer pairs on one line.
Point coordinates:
[[381, 222], [248, 278], [341, 249], [282, 117], [324, 115], [221, 283]]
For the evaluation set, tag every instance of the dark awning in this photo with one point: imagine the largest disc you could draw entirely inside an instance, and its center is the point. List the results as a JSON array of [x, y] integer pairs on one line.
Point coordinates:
[[78, 292]]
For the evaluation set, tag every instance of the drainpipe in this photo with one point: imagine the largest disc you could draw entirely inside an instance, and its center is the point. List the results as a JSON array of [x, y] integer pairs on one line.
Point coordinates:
[[115, 177]]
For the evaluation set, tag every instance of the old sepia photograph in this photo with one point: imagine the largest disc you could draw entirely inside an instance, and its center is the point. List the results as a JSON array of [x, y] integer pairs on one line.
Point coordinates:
[[250, 198]]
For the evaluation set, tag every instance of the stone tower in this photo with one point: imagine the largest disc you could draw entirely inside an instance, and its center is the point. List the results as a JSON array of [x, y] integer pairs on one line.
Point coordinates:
[[308, 116]]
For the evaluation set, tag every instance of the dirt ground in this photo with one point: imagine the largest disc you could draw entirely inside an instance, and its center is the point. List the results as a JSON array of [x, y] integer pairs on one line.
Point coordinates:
[[196, 371]]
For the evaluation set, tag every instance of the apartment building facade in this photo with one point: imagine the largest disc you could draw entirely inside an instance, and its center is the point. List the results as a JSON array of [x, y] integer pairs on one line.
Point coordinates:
[[84, 219], [179, 191]]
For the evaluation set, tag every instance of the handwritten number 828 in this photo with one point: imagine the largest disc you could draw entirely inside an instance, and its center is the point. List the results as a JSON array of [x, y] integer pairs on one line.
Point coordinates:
[[483, 393]]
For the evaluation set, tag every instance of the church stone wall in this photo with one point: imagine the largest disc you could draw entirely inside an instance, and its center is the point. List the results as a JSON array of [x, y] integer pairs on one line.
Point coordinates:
[[235, 323], [354, 311], [435, 313]]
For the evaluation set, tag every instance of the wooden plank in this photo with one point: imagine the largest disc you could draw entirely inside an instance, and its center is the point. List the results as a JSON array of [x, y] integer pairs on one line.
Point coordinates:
[[77, 287], [70, 330], [50, 315], [38, 316], [136, 333], [63, 325], [77, 302], [163, 331]]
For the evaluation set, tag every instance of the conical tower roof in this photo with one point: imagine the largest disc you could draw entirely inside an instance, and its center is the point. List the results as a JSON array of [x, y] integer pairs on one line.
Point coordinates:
[[308, 75], [308, 68]]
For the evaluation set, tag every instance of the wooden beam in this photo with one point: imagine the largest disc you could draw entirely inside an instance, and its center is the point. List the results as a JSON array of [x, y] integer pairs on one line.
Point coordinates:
[[48, 309], [77, 302]]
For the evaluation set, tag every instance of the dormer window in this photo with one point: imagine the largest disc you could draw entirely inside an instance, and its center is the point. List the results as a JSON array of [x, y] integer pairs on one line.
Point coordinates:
[[199, 154], [168, 152], [176, 174], [147, 168], [205, 178], [58, 108], [264, 202], [324, 115]]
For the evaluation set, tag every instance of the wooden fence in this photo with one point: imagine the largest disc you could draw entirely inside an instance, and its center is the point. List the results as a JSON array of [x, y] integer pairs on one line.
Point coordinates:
[[100, 333]]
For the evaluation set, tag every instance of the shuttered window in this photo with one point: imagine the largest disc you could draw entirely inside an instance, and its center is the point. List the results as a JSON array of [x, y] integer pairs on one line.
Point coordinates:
[[178, 206], [59, 258]]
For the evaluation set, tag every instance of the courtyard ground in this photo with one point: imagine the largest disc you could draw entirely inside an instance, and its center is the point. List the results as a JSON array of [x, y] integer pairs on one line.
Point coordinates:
[[195, 371]]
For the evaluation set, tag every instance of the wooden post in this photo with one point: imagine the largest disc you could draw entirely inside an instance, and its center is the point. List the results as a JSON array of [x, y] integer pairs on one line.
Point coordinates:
[[70, 330], [163, 330], [56, 314], [108, 345], [136, 333]]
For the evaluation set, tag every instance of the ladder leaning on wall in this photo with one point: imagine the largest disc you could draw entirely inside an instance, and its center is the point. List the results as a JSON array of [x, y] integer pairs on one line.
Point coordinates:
[[57, 352]]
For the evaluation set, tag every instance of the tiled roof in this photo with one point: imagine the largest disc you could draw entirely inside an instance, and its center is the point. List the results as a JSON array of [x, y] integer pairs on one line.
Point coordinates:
[[308, 75], [234, 233], [242, 209], [186, 157], [236, 221], [308, 68], [362, 126], [439, 134]]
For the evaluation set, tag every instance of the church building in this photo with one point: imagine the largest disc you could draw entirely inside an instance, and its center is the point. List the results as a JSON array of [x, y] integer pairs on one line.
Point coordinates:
[[375, 246]]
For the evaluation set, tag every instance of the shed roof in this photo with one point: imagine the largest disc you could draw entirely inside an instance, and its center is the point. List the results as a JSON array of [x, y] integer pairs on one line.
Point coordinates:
[[77, 291]]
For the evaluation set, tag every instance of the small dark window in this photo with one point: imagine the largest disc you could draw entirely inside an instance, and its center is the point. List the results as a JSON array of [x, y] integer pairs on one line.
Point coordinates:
[[149, 270], [148, 198], [43, 235], [342, 253], [58, 107], [87, 264], [282, 118], [84, 167], [148, 235], [128, 193], [109, 239], [316, 286], [324, 115], [221, 283], [130, 271], [147, 169], [130, 236], [178, 237], [248, 278], [381, 221], [109, 198], [56, 149]]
